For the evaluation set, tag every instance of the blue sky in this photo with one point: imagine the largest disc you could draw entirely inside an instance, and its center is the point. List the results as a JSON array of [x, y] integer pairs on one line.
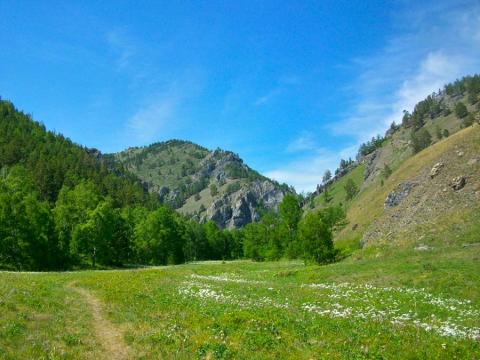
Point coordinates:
[[292, 86]]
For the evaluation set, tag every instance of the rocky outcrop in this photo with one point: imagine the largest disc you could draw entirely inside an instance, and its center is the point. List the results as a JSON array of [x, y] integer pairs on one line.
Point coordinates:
[[458, 183], [398, 194], [370, 161], [436, 169], [242, 207]]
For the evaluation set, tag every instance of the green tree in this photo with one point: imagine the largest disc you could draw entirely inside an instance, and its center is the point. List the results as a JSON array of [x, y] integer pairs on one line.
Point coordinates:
[[420, 139], [446, 133], [213, 190], [157, 239], [71, 209], [316, 239], [460, 110], [26, 225], [386, 172], [327, 176], [351, 189], [254, 241], [468, 120], [438, 132], [216, 241], [290, 213]]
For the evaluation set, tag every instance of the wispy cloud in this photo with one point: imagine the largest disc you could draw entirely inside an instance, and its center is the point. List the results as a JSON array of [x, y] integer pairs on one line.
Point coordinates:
[[435, 44], [161, 114], [262, 100], [439, 44], [122, 46], [305, 173], [146, 124], [304, 142], [284, 82]]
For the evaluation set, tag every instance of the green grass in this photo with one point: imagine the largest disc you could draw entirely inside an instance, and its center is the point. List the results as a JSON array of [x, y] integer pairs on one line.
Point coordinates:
[[364, 307], [337, 190], [42, 319]]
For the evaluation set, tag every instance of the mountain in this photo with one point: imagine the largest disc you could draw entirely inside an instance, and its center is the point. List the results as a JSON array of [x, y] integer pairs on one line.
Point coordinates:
[[418, 182], [203, 184], [53, 161]]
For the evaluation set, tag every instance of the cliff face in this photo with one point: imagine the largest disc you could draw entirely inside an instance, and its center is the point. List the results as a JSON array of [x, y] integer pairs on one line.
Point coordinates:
[[205, 185]]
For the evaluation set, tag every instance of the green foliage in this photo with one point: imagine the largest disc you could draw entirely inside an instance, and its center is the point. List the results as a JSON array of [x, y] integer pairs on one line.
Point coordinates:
[[316, 239], [438, 132], [326, 195], [233, 187], [371, 146], [420, 139], [446, 133], [461, 110], [386, 171], [158, 239], [213, 190], [351, 189], [468, 120], [290, 212], [327, 176], [26, 225]]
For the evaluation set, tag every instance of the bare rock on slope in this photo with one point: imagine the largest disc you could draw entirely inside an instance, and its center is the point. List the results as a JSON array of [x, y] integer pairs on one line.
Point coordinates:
[[370, 160], [398, 194], [428, 205], [243, 206], [436, 169], [458, 183]]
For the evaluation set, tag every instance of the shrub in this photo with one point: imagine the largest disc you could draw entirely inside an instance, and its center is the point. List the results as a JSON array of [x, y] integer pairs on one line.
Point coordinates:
[[461, 110], [351, 189], [213, 190], [420, 139]]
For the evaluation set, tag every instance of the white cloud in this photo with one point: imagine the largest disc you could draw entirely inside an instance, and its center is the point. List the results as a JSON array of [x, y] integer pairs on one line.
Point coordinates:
[[146, 124], [162, 114], [303, 142], [438, 43], [122, 46], [262, 100], [305, 173]]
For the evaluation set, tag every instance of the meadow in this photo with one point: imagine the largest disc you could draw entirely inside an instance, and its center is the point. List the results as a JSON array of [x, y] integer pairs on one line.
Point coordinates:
[[377, 304]]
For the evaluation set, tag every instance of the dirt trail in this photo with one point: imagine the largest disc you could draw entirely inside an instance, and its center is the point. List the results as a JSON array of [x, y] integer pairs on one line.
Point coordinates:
[[108, 335]]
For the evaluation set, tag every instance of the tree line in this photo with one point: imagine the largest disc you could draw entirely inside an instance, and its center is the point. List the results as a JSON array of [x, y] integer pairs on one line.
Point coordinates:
[[85, 229], [63, 207]]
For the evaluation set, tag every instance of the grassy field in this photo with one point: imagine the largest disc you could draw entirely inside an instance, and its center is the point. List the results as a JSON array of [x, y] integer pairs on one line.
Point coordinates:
[[377, 304]]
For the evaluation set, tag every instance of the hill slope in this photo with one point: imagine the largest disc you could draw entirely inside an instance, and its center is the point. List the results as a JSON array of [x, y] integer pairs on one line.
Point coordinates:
[[203, 184], [54, 161], [398, 201]]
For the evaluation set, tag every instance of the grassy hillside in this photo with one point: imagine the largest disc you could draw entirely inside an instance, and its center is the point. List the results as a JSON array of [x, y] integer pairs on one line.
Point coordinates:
[[337, 193], [385, 168], [369, 205]]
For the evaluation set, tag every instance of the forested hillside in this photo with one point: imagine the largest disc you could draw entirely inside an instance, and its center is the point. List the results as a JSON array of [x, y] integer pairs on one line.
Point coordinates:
[[64, 206], [202, 184]]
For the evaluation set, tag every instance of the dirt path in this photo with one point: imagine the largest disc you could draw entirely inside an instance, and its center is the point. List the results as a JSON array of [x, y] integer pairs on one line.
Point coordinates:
[[108, 335]]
